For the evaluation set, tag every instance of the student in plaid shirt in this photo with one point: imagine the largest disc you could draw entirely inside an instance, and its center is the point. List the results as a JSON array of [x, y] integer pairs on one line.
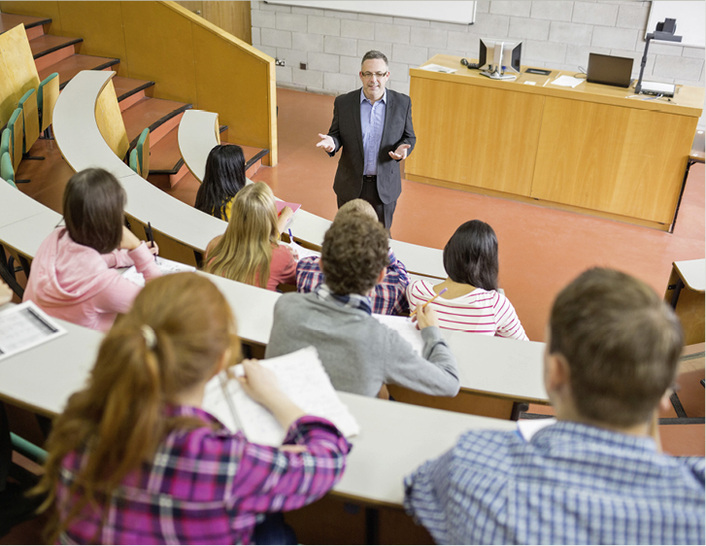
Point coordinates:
[[135, 460], [388, 297], [597, 474]]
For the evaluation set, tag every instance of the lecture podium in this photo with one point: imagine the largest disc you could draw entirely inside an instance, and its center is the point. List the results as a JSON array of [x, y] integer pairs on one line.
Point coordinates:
[[594, 149]]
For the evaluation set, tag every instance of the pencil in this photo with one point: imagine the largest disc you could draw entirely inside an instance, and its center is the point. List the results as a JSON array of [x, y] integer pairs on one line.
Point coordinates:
[[429, 301]]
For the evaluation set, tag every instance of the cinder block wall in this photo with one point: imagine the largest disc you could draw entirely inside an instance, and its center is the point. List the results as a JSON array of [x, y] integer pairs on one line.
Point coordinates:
[[555, 34]]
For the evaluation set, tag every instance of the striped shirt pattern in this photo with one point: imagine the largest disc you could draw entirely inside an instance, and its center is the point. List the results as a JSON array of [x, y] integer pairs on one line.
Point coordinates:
[[570, 484], [387, 298], [208, 485], [481, 311]]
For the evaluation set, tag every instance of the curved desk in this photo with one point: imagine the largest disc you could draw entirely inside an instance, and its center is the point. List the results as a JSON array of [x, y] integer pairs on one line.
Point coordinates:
[[197, 135]]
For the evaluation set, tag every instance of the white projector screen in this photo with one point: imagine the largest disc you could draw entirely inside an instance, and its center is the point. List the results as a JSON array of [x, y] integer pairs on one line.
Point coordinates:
[[449, 12]]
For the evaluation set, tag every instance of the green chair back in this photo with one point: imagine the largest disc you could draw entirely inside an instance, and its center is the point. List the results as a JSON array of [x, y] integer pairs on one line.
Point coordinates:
[[5, 141], [143, 152], [16, 126], [6, 170], [30, 118], [133, 161]]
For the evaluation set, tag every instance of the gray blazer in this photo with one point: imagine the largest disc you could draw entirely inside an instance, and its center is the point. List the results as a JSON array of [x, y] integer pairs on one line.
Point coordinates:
[[347, 134]]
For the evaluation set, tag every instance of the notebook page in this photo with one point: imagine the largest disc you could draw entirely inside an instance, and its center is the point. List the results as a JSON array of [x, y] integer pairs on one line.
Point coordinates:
[[25, 326], [405, 328], [165, 266], [302, 378]]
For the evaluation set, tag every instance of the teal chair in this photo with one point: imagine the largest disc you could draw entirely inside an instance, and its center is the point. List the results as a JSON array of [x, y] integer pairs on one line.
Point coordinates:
[[5, 141], [134, 162], [47, 93], [143, 152], [30, 119], [6, 170], [16, 127]]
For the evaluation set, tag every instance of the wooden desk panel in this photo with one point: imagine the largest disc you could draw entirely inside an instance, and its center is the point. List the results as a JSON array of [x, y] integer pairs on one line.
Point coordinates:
[[483, 137], [613, 159]]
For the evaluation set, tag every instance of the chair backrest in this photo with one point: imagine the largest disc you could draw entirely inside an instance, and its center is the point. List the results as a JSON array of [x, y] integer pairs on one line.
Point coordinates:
[[143, 152], [46, 99], [6, 170], [5, 137], [30, 118], [134, 162], [16, 126]]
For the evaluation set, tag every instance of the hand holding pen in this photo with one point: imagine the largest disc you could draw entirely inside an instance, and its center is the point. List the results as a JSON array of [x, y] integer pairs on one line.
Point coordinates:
[[154, 249], [426, 316]]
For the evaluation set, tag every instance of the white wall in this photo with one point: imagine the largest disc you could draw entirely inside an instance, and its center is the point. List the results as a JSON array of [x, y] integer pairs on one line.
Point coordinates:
[[555, 34]]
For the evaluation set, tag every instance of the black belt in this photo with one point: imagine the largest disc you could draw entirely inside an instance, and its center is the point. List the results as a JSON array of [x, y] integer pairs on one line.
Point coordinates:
[[369, 178]]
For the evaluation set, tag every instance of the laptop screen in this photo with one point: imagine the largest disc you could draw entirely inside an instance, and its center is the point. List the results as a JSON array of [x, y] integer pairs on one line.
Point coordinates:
[[609, 70]]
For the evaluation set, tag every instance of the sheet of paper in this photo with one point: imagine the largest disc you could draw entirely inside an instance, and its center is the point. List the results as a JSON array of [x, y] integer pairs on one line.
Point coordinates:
[[302, 378], [165, 266], [529, 427], [304, 252], [25, 326], [438, 68], [281, 204], [406, 328], [567, 81]]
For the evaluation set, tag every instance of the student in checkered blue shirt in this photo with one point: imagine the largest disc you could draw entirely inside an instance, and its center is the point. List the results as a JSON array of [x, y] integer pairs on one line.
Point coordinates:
[[596, 475], [388, 297]]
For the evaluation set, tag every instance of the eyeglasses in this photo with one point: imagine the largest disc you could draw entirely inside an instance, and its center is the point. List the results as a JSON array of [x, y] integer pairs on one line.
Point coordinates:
[[368, 75]]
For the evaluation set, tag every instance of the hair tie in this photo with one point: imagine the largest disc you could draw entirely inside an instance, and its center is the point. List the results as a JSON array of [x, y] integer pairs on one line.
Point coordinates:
[[149, 335]]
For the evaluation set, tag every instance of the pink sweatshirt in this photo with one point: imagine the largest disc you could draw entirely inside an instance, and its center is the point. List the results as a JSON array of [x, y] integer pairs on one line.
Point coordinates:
[[74, 282]]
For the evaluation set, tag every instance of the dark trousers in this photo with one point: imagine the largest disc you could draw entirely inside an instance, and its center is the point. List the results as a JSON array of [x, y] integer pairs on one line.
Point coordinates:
[[369, 193]]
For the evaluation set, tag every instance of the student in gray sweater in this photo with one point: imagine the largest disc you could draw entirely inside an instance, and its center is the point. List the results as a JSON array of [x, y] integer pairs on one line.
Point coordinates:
[[359, 353]]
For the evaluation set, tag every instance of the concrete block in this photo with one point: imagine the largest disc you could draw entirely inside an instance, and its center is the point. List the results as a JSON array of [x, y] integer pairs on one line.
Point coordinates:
[[399, 73], [308, 78], [548, 53], [492, 26], [463, 41], [329, 26], [517, 8], [428, 37], [307, 42], [270, 7], [570, 33], [370, 18], [411, 22], [483, 6], [263, 19], [619, 38], [255, 36], [349, 65], [397, 34], [291, 21], [678, 68], [340, 46], [366, 45], [595, 13], [323, 62], [271, 51], [523, 28], [633, 15], [292, 57], [696, 52], [276, 38], [340, 83], [308, 11], [551, 9], [360, 30], [412, 55], [283, 74]]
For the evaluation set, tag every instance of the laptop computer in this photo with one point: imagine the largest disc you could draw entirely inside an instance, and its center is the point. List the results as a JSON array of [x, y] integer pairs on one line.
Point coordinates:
[[609, 70]]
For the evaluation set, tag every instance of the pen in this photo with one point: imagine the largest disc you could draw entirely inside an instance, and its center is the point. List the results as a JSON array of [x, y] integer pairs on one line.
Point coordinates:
[[428, 302], [150, 237], [291, 237]]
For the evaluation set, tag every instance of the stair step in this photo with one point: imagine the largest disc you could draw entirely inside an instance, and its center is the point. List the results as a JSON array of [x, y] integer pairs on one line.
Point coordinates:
[[33, 25], [69, 67], [127, 87], [149, 112], [48, 43], [165, 157]]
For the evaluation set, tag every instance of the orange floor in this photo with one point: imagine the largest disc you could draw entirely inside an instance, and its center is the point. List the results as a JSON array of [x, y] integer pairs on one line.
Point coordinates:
[[541, 249]]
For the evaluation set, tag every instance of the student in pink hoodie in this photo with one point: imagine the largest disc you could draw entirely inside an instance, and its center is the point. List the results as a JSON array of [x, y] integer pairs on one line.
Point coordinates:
[[74, 274]]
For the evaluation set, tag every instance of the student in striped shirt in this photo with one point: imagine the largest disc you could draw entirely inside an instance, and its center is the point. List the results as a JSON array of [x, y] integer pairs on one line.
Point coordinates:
[[134, 459], [471, 301]]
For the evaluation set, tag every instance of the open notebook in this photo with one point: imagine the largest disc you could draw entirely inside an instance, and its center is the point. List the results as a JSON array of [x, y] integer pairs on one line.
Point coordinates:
[[25, 326], [302, 378], [165, 266]]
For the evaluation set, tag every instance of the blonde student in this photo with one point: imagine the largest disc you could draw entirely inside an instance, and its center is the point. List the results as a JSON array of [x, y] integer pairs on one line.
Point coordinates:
[[134, 459], [249, 250]]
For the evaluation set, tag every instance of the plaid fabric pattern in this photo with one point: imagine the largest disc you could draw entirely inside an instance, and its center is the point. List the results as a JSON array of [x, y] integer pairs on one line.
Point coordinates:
[[207, 486], [387, 298], [570, 484]]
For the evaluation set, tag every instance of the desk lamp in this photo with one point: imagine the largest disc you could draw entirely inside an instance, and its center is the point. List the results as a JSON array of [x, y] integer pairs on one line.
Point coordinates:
[[664, 31]]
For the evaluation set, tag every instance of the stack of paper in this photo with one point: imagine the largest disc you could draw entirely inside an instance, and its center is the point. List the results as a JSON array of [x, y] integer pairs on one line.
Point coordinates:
[[301, 376], [25, 326]]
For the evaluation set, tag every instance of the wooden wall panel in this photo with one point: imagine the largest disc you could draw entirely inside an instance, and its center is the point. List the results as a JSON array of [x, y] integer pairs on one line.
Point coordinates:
[[603, 157], [95, 22], [476, 136], [18, 70], [233, 17], [220, 72]]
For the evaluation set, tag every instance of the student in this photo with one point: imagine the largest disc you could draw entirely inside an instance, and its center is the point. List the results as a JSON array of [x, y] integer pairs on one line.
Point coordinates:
[[388, 297], [596, 475], [358, 352], [471, 301], [134, 459], [74, 274], [224, 178], [249, 250]]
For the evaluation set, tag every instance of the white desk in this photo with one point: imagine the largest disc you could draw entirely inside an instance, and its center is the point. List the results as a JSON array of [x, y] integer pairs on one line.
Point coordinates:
[[16, 206], [692, 273], [83, 146], [197, 135]]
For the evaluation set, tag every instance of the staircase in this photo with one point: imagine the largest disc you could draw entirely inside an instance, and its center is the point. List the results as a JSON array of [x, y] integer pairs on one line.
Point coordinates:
[[139, 108]]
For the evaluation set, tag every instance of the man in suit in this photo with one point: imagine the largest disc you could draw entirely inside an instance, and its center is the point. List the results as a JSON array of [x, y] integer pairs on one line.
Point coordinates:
[[373, 125]]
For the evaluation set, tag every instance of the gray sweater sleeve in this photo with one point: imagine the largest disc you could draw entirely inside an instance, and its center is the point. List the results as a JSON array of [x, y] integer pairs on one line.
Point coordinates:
[[435, 374]]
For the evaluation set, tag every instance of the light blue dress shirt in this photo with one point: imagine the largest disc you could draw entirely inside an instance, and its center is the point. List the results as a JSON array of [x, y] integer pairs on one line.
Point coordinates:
[[372, 122]]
